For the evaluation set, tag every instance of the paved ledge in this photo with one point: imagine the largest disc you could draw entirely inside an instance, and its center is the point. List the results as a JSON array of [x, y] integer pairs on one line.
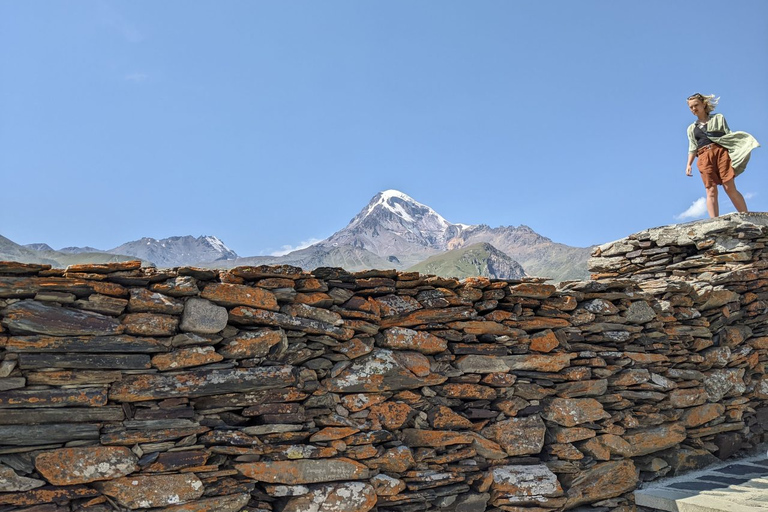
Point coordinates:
[[739, 485]]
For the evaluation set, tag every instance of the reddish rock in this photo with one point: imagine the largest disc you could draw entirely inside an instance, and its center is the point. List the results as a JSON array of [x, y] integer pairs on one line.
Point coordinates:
[[544, 341], [444, 418], [145, 301], [64, 397], [153, 491], [531, 290], [539, 323], [487, 448], [390, 415], [601, 482], [655, 439], [518, 436], [341, 497], [249, 316], [570, 412], [565, 451], [702, 414], [268, 271], [428, 316], [355, 347], [570, 435], [394, 460], [417, 437], [240, 295], [332, 433], [86, 344], [468, 391], [539, 362], [298, 472], [386, 485], [47, 495], [642, 358], [361, 401], [630, 377], [249, 344], [316, 299], [479, 327], [183, 286], [69, 466], [150, 324], [400, 338], [186, 358]]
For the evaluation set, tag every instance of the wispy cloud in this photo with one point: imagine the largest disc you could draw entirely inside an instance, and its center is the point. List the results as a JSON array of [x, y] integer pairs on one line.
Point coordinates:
[[697, 209], [289, 248], [750, 195], [136, 77], [119, 23]]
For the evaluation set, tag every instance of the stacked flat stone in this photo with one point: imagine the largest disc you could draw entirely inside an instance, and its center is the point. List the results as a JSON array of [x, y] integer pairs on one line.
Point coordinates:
[[273, 389]]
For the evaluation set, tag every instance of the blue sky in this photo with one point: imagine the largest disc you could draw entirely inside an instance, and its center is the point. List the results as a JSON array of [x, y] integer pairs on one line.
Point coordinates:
[[272, 123]]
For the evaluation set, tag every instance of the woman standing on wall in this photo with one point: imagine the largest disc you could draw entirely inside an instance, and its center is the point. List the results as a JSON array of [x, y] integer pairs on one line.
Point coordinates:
[[722, 154]]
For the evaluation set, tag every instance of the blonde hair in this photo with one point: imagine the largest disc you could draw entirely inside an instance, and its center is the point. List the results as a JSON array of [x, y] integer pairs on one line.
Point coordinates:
[[710, 101]]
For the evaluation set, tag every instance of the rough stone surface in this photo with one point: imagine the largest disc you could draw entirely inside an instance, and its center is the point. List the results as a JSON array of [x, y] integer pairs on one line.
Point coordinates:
[[69, 466], [153, 491], [203, 317]]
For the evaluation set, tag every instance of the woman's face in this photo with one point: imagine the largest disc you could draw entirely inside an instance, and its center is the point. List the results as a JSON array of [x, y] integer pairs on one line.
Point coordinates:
[[697, 108]]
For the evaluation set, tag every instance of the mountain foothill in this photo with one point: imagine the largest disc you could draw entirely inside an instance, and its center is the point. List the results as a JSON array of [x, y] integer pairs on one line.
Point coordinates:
[[392, 231]]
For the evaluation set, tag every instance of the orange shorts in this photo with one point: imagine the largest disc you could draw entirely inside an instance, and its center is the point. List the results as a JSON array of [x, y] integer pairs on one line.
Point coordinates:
[[714, 164]]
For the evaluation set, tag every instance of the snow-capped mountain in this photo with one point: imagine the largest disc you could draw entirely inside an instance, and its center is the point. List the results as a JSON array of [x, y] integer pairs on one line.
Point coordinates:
[[396, 231], [177, 251]]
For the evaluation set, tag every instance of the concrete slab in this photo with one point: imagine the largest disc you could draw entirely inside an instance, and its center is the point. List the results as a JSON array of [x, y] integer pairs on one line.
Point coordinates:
[[734, 486]]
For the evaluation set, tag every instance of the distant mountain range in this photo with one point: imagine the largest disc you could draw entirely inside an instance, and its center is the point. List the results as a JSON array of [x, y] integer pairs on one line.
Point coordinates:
[[392, 231]]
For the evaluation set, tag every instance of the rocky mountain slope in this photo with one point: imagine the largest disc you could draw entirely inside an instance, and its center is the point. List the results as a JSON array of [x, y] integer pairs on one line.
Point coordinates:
[[480, 259], [177, 251]]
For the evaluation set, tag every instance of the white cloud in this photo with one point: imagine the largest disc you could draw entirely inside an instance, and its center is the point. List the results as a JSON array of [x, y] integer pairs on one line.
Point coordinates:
[[288, 248], [750, 195], [697, 209], [136, 77]]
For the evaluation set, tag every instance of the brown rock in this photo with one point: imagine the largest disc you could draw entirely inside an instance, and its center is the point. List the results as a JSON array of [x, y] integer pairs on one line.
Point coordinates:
[[531, 290], [518, 436], [361, 401], [601, 482], [630, 377], [428, 316], [539, 323], [249, 344], [479, 327], [391, 415], [702, 414], [539, 362], [182, 286], [687, 397], [34, 317], [150, 324], [69, 466], [386, 485], [544, 341], [298, 472], [11, 482], [230, 503], [153, 491], [145, 301], [341, 497], [186, 358], [394, 460], [416, 437], [654, 439], [570, 412], [468, 391], [268, 271], [400, 338], [240, 295], [332, 434], [47, 495], [69, 344], [249, 316], [570, 435], [444, 418], [582, 388], [79, 397]]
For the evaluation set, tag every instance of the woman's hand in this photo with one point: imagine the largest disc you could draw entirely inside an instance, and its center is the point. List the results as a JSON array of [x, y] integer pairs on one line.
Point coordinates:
[[688, 170]]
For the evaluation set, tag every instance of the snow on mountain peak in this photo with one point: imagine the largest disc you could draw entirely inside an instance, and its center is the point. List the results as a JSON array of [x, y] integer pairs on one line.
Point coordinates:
[[217, 244], [399, 203]]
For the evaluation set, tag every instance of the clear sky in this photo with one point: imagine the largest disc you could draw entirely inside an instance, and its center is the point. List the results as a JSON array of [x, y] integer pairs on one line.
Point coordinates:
[[271, 123]]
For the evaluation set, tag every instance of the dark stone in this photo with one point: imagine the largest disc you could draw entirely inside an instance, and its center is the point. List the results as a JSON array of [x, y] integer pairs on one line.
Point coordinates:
[[39, 318]]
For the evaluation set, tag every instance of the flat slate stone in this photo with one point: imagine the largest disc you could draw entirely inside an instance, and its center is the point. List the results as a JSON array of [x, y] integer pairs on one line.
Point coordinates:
[[121, 344], [36, 435], [85, 361], [82, 397], [137, 388], [34, 317], [69, 466], [63, 415]]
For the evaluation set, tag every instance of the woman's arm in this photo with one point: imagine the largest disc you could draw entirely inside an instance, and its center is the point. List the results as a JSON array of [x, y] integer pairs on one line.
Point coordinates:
[[688, 171]]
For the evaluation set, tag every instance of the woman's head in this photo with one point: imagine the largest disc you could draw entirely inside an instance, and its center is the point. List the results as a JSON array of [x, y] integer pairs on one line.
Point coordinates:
[[702, 104]]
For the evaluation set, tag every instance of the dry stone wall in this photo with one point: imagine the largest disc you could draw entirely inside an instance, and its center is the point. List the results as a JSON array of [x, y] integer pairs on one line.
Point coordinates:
[[272, 389]]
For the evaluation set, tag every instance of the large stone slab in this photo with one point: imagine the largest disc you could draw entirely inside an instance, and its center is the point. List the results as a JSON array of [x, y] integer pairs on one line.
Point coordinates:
[[232, 295], [38, 435], [385, 370], [570, 412], [601, 482], [243, 315], [69, 466], [33, 317], [203, 317], [11, 482], [340, 497], [654, 439], [153, 491], [518, 436], [137, 388], [54, 397], [401, 338], [122, 344], [298, 472]]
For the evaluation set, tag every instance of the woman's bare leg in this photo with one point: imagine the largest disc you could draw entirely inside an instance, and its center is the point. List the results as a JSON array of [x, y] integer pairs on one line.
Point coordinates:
[[712, 206], [736, 198]]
